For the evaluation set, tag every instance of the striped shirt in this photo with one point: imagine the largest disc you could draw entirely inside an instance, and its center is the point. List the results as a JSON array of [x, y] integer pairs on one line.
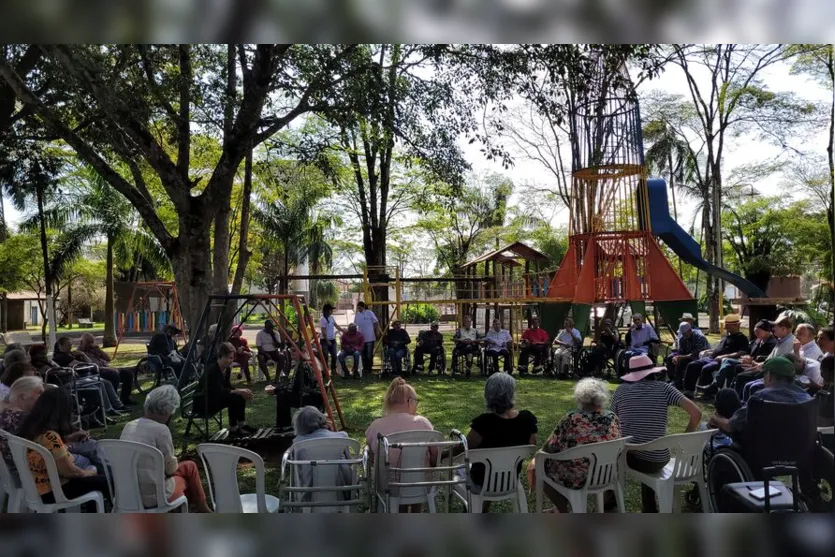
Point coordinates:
[[641, 408]]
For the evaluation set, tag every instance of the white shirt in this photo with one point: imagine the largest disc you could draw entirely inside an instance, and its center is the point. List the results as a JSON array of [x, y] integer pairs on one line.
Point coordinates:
[[499, 339], [811, 351], [329, 325], [468, 334], [365, 321], [573, 337], [812, 371], [155, 434], [264, 341]]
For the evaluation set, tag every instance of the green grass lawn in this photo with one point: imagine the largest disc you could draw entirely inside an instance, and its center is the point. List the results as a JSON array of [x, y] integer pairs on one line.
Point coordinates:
[[448, 403]]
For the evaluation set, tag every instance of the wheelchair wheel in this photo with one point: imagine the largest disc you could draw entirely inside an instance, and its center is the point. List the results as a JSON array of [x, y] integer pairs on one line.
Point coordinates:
[[143, 369], [725, 467], [582, 363], [824, 474]]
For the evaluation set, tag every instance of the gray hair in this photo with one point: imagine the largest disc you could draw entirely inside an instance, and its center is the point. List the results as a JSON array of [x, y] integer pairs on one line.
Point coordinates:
[[307, 420], [591, 393], [807, 327], [500, 393], [14, 356], [24, 386], [162, 401]]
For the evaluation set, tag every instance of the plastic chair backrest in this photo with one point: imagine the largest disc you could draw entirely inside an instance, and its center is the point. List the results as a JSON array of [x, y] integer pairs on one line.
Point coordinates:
[[686, 448], [603, 460], [221, 464], [326, 449], [779, 434], [8, 480], [501, 465], [20, 448], [125, 460], [408, 457]]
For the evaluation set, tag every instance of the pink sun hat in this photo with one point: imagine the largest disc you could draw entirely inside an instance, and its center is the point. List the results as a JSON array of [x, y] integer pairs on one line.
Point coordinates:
[[639, 367]]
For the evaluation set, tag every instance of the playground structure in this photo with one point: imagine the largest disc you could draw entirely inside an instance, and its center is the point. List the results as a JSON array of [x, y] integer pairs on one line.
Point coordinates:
[[613, 259], [297, 330], [146, 307]]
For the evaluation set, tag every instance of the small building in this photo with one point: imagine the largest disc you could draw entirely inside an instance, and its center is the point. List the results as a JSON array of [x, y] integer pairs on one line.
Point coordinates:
[[24, 309]]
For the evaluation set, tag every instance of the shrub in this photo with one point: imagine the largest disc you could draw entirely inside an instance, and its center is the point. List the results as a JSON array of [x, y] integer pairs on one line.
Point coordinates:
[[419, 313]]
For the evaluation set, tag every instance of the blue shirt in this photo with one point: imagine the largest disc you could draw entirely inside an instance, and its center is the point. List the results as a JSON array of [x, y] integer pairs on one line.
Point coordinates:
[[787, 393], [640, 337]]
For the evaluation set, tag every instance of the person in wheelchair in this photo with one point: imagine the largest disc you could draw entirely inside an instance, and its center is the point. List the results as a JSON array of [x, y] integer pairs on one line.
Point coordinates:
[[792, 442], [397, 341], [778, 386], [498, 343], [535, 341], [758, 350], [807, 377], [466, 344], [430, 342], [608, 342], [565, 343]]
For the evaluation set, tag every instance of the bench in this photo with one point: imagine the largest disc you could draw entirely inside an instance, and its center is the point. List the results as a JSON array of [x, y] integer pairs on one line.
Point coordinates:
[[194, 417], [85, 323]]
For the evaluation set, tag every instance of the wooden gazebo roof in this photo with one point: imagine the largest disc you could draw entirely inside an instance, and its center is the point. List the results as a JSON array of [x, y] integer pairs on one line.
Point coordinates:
[[510, 255]]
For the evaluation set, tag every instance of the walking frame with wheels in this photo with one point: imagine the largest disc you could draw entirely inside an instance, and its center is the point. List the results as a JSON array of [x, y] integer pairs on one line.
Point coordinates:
[[409, 480]]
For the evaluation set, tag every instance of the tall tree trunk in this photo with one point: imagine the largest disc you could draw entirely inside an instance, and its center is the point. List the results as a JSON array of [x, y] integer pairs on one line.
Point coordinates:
[[109, 311], [675, 205], [190, 258], [50, 301], [69, 304], [375, 257], [243, 247], [830, 151], [4, 302]]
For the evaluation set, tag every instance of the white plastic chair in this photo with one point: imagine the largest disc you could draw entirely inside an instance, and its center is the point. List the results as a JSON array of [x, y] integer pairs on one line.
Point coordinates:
[[602, 474], [388, 471], [9, 488], [19, 448], [686, 466], [316, 475], [221, 464], [501, 477], [123, 459]]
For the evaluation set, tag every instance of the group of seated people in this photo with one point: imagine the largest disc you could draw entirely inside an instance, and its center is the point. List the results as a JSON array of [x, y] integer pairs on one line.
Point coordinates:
[[738, 363], [88, 364]]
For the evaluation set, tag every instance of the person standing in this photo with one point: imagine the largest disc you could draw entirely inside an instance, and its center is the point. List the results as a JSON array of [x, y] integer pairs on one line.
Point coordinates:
[[369, 328], [327, 335]]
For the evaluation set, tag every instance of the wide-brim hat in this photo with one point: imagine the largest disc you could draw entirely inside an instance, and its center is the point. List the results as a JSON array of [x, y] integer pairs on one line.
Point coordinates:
[[732, 318], [686, 316], [640, 366]]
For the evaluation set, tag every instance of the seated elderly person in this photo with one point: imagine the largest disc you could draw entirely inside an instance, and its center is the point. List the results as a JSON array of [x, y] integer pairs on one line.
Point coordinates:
[[566, 342], [11, 374], [498, 342], [590, 423], [308, 424], [397, 346], [430, 342], [826, 396], [164, 345], [641, 335], [14, 353], [690, 345], [96, 355], [64, 356], [805, 345], [732, 345], [535, 341], [40, 359], [466, 340], [608, 342], [10, 358], [807, 376], [181, 478], [779, 386], [353, 343], [242, 352], [502, 425], [215, 393]]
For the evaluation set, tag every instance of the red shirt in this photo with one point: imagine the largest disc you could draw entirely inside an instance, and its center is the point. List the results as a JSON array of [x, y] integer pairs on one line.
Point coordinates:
[[536, 336], [352, 341]]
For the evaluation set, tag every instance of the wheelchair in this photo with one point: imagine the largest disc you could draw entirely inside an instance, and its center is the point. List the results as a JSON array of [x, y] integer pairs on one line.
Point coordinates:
[[777, 435], [460, 360], [405, 363], [487, 369]]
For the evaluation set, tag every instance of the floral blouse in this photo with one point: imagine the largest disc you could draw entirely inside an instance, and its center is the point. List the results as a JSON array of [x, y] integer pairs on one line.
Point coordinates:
[[578, 428]]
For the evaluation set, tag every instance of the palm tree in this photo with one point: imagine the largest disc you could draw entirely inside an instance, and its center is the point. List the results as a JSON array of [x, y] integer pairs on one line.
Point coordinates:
[[97, 211]]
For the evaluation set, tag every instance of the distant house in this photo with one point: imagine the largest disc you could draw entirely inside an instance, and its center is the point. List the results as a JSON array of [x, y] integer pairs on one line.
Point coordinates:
[[24, 309]]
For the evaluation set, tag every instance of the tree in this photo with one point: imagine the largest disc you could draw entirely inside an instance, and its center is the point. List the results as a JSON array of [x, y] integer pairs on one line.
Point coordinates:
[[459, 221], [131, 112], [728, 97], [90, 209], [818, 61], [770, 237]]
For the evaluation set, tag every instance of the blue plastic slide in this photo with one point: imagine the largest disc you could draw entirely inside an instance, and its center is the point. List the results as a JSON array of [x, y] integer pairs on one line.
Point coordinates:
[[683, 244]]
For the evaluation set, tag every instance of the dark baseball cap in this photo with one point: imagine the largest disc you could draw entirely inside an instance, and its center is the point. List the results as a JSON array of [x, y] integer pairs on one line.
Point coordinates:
[[763, 324]]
